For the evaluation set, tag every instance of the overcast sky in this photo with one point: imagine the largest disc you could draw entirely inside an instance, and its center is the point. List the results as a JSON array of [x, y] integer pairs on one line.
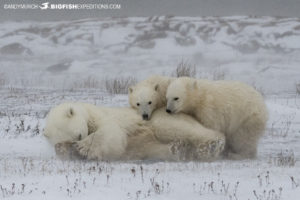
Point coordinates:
[[290, 8]]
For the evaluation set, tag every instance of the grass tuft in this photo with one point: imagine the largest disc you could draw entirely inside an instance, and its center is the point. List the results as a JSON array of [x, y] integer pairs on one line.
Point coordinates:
[[185, 68], [298, 88], [119, 85], [284, 159]]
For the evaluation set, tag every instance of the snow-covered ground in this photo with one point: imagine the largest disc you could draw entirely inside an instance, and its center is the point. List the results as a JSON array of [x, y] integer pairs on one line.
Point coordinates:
[[27, 158], [46, 63]]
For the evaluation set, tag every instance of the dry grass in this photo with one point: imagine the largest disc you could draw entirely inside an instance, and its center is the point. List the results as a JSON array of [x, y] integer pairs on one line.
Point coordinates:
[[185, 68], [119, 85], [3, 80], [89, 82], [298, 88], [284, 159], [15, 125], [282, 126]]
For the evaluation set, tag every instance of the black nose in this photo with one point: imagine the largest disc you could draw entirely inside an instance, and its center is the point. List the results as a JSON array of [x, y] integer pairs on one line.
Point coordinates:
[[145, 116], [168, 111]]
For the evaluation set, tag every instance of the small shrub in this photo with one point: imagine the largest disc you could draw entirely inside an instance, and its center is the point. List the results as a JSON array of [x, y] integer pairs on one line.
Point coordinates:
[[284, 158], [297, 88], [3, 80], [119, 85], [282, 126], [89, 83], [184, 68], [294, 183]]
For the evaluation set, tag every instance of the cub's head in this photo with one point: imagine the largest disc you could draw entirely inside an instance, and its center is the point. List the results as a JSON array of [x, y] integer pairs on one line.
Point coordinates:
[[66, 122], [177, 95], [144, 99]]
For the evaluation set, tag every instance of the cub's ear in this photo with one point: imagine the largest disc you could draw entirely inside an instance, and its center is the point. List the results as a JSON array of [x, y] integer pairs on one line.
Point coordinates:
[[156, 87], [70, 112], [130, 90], [195, 85]]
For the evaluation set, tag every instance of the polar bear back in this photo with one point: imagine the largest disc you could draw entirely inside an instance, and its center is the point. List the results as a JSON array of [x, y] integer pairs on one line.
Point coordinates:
[[231, 102]]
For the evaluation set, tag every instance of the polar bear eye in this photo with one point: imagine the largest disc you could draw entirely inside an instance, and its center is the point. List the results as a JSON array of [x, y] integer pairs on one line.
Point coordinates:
[[149, 102], [176, 98], [138, 104]]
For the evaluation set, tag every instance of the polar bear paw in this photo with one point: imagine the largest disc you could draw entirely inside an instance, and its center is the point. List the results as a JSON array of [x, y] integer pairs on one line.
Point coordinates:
[[66, 151], [209, 150], [182, 149], [186, 150], [83, 148]]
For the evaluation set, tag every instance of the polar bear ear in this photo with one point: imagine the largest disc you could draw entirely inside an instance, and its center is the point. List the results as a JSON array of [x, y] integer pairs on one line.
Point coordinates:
[[70, 112], [130, 90], [156, 87]]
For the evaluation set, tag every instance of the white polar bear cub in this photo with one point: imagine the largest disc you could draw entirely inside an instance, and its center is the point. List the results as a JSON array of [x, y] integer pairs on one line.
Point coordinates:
[[230, 107], [120, 134], [149, 95]]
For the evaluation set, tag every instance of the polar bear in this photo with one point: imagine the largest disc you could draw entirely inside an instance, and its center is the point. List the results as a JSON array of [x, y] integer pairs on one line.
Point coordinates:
[[104, 133], [149, 95], [231, 107]]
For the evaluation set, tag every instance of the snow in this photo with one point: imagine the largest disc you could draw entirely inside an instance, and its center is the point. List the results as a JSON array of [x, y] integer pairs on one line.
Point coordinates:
[[111, 47], [263, 52]]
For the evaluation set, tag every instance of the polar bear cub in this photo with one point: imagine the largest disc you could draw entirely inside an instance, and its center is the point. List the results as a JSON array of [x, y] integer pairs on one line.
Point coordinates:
[[104, 133], [231, 107], [149, 95]]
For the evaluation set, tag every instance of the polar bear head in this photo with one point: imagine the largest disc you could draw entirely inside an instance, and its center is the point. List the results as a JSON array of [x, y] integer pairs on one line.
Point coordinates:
[[144, 99], [179, 94], [66, 122]]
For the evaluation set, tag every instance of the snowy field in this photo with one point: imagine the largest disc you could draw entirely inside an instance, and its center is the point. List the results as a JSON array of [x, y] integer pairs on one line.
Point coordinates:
[[44, 63]]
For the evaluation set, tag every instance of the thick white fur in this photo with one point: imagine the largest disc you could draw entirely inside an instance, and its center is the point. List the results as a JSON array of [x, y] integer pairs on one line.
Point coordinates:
[[151, 90], [230, 107], [121, 134]]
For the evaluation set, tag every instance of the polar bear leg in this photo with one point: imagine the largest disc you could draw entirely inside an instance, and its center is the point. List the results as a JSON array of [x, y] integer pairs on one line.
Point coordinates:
[[242, 144], [142, 144], [153, 150], [205, 151], [107, 143], [241, 148], [190, 138], [160, 151]]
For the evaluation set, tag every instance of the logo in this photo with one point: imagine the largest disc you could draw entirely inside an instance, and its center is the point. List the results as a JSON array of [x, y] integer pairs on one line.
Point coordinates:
[[72, 6], [44, 6]]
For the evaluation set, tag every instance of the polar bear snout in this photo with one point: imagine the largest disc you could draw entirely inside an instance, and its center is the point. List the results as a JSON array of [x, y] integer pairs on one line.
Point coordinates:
[[172, 106], [145, 117], [171, 109]]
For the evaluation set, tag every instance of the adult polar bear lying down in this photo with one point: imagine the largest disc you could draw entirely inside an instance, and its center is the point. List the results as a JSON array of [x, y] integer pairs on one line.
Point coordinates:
[[104, 133]]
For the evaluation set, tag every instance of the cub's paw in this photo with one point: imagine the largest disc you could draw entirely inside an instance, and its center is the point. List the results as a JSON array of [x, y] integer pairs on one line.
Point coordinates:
[[183, 150], [209, 150], [216, 147]]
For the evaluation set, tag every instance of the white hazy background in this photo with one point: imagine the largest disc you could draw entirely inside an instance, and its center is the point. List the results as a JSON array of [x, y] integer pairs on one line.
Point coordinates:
[[49, 57]]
